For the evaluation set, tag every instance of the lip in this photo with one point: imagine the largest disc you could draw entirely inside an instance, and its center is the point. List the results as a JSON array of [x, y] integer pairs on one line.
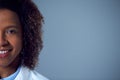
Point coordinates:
[[4, 53]]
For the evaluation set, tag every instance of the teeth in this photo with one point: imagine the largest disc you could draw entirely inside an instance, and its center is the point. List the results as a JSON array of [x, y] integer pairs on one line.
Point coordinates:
[[3, 52]]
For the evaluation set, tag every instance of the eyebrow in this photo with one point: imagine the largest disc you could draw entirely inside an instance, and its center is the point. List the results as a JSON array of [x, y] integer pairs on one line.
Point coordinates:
[[13, 26]]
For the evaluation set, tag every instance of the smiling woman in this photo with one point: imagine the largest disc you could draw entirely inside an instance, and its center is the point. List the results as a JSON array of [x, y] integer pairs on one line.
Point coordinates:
[[20, 40], [10, 42], [10, 37]]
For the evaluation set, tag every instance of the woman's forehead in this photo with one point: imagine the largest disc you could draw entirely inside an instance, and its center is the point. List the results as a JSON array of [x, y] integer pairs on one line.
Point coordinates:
[[8, 16]]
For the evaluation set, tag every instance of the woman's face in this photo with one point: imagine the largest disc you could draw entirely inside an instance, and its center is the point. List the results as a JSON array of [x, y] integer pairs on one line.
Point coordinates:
[[10, 37]]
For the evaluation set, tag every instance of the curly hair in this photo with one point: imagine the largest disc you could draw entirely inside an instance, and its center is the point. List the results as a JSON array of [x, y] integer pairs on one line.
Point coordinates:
[[31, 21]]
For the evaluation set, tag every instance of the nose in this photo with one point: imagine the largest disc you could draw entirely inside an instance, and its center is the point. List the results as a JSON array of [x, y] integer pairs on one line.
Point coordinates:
[[3, 40]]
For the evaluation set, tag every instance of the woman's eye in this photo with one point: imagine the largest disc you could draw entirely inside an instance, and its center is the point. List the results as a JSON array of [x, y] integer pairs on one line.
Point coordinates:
[[11, 31]]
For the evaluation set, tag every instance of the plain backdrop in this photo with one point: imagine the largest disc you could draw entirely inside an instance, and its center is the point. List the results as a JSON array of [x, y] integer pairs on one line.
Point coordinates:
[[81, 39]]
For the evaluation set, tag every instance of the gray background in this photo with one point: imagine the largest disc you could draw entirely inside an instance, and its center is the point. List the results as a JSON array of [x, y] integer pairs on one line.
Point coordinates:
[[81, 39]]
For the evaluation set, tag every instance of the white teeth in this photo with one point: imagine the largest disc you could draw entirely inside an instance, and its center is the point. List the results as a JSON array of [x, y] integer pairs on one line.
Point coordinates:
[[3, 52]]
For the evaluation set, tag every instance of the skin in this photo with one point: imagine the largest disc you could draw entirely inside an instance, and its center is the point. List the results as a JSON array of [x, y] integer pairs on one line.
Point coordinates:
[[11, 41]]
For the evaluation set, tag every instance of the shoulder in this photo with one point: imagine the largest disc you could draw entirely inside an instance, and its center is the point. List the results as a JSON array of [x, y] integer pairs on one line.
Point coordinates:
[[35, 75], [27, 74]]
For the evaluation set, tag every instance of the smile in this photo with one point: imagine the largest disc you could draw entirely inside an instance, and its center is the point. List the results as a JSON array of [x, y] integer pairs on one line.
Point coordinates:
[[3, 51]]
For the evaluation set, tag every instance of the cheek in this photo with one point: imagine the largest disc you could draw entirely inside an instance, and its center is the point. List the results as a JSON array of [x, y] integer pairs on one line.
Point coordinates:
[[16, 43]]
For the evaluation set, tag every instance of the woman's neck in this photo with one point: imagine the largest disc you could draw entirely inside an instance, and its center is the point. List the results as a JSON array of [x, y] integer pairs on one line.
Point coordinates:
[[5, 72], [8, 70]]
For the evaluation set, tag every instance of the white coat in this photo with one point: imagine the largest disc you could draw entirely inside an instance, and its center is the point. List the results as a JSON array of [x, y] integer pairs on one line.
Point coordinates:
[[27, 74]]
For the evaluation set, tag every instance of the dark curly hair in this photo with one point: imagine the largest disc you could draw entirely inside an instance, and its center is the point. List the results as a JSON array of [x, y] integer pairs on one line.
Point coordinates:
[[31, 21]]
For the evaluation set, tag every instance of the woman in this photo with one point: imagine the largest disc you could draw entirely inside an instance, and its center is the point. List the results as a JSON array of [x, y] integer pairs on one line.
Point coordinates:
[[20, 40]]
